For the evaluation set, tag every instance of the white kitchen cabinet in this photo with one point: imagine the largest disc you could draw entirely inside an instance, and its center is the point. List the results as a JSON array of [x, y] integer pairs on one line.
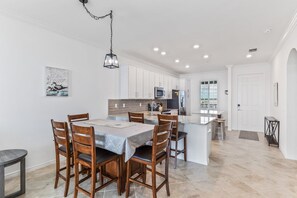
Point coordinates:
[[175, 83], [139, 83], [165, 84], [151, 90], [148, 84], [132, 72], [146, 77], [169, 87], [161, 80], [157, 79], [131, 79]]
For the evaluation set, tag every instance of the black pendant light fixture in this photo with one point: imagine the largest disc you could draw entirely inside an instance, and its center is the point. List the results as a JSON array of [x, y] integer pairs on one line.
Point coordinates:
[[111, 60]]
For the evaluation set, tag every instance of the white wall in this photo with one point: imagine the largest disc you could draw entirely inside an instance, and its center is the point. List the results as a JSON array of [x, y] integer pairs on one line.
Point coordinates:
[[291, 103], [279, 74], [258, 68], [221, 77], [25, 112]]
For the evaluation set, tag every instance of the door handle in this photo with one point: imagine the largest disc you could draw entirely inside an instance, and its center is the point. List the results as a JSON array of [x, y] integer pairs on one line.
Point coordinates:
[[238, 107]]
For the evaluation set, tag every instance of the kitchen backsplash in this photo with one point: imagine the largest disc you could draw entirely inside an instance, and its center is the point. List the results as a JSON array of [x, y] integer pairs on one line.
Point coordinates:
[[116, 106]]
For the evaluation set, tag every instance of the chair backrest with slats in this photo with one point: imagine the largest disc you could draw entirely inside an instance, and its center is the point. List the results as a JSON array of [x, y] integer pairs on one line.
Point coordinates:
[[136, 117], [161, 139], [163, 119], [83, 140], [78, 117], [61, 135]]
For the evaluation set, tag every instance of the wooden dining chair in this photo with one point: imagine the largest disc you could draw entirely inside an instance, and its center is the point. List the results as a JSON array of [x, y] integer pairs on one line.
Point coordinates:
[[136, 117], [78, 117], [175, 136], [85, 153], [63, 147], [151, 156]]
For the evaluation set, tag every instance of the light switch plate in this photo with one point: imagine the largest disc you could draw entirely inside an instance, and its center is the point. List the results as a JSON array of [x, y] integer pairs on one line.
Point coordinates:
[[115, 105], [124, 105], [140, 104]]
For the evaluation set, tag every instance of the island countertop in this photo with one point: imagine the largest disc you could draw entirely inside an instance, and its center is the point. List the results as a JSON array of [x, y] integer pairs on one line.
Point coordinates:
[[198, 119]]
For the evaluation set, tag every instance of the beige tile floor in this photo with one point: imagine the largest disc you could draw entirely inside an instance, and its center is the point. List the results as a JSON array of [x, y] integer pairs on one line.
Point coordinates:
[[238, 168]]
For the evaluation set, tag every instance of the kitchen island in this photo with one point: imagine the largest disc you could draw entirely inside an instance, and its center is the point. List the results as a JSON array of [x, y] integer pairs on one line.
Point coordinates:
[[199, 129]]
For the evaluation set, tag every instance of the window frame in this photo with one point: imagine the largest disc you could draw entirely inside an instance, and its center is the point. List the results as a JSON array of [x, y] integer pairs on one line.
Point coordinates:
[[205, 101]]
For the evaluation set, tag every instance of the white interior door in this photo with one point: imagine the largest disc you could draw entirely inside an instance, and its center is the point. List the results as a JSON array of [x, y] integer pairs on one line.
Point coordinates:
[[250, 102]]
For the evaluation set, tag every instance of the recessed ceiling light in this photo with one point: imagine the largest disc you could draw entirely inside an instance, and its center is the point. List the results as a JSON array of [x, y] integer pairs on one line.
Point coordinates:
[[206, 56], [156, 49], [163, 53], [196, 46], [248, 56], [176, 61], [187, 66]]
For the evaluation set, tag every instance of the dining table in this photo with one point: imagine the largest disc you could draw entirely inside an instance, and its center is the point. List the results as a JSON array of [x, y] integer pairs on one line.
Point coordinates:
[[120, 137]]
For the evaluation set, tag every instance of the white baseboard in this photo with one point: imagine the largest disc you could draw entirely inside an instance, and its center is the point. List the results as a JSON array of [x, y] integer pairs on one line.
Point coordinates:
[[30, 169]]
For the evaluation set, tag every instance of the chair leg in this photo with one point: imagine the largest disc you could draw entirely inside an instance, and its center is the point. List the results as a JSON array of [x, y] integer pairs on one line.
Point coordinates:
[[57, 169], [127, 179], [101, 175], [67, 177], [93, 182], [154, 185], [144, 173], [185, 148], [175, 155], [119, 186], [167, 175], [76, 177]]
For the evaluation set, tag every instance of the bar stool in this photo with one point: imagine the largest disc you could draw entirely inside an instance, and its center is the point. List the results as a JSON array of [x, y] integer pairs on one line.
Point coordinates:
[[176, 136], [63, 148], [221, 125], [151, 156], [136, 117]]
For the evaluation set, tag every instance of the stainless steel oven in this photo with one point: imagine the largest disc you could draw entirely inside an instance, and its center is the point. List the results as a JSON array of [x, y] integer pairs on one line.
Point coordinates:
[[159, 92]]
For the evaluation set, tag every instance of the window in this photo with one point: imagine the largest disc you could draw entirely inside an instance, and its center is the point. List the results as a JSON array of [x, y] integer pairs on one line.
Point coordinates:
[[209, 94]]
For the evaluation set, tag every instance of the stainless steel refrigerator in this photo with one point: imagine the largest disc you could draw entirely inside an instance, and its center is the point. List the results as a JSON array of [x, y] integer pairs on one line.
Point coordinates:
[[178, 101]]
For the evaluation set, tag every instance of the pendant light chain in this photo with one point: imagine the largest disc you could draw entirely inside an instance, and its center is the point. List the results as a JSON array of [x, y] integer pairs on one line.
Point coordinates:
[[111, 33], [94, 16], [102, 17], [111, 59]]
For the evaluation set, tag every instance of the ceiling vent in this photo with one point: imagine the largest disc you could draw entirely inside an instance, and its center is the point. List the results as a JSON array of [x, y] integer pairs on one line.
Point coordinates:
[[253, 50]]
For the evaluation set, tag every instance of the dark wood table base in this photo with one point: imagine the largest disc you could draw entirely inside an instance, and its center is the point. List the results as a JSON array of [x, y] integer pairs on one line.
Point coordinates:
[[111, 170]]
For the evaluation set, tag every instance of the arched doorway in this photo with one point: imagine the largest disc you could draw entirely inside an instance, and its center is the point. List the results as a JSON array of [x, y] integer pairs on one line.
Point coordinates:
[[292, 104]]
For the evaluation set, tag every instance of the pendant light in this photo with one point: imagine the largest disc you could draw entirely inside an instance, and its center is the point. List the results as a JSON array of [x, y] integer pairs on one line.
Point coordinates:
[[111, 59]]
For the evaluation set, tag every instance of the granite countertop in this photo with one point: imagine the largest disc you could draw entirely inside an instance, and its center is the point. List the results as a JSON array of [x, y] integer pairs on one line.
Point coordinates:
[[183, 119]]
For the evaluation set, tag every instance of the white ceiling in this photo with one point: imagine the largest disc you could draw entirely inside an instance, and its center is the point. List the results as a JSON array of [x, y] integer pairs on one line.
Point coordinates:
[[224, 29]]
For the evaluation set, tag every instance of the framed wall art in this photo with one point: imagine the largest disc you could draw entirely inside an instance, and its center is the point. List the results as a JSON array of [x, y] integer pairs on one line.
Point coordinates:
[[56, 81]]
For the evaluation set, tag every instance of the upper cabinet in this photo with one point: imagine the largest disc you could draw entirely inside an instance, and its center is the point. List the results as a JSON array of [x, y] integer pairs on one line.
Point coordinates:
[[148, 84], [138, 83]]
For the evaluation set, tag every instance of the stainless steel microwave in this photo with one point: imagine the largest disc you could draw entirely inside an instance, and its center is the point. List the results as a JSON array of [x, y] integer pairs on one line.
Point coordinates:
[[159, 92]]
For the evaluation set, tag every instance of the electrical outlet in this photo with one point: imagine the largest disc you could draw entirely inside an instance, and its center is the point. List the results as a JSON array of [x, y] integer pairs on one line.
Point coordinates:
[[140, 104], [124, 105], [115, 105]]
